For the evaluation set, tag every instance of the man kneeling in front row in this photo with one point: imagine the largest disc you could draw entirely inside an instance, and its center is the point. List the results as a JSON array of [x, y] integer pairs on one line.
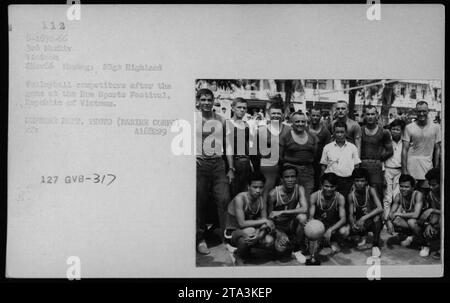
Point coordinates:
[[405, 212], [364, 211], [328, 206], [247, 220], [287, 208], [430, 219]]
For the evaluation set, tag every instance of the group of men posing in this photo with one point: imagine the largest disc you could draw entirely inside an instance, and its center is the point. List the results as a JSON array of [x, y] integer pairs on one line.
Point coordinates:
[[354, 179]]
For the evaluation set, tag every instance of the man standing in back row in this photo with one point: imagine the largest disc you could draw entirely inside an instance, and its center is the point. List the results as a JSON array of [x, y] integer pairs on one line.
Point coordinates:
[[317, 128], [274, 129], [238, 137], [421, 146], [299, 148], [353, 134], [212, 178], [376, 147], [340, 157]]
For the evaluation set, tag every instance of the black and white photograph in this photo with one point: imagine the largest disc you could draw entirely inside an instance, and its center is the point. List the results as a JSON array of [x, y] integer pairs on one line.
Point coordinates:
[[318, 172], [237, 141]]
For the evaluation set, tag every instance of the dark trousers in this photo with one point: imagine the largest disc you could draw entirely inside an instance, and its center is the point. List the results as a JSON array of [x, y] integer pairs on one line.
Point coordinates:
[[343, 186], [317, 173], [242, 173], [272, 175], [375, 225], [374, 167], [212, 187]]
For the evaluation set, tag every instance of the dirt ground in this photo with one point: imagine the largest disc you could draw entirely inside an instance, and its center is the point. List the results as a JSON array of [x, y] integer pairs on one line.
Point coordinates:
[[392, 253]]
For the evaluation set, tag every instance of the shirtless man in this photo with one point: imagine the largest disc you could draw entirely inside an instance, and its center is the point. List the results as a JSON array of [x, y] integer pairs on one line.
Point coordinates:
[[365, 210], [247, 220], [405, 211], [287, 208], [328, 206]]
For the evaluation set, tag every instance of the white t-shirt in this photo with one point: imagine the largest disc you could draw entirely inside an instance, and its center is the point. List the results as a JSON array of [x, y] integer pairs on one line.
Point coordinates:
[[340, 160], [421, 147]]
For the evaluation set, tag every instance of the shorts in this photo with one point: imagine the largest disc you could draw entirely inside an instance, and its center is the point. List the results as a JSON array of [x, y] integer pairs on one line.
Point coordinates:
[[328, 223], [285, 224], [368, 226], [233, 235], [425, 216]]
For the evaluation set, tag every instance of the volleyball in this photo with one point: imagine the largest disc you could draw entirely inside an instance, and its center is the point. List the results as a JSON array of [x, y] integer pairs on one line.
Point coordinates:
[[314, 230]]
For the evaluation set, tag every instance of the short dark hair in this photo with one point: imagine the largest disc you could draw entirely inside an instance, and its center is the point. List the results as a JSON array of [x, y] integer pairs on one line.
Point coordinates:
[[316, 108], [299, 112], [421, 102], [340, 124], [330, 177], [204, 92], [433, 174], [288, 167], [276, 99], [238, 100], [407, 178], [370, 107], [276, 105], [397, 122], [256, 176], [360, 172]]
